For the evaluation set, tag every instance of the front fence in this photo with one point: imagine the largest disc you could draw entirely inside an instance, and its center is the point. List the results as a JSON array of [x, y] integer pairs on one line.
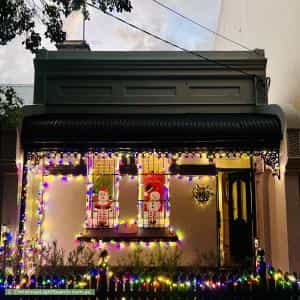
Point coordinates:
[[220, 285]]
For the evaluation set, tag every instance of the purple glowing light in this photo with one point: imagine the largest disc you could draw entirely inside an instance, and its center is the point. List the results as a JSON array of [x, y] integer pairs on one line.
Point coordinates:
[[90, 163], [90, 192]]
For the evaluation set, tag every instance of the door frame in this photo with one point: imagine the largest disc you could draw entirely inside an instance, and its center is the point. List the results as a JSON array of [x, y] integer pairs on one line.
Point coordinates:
[[252, 210]]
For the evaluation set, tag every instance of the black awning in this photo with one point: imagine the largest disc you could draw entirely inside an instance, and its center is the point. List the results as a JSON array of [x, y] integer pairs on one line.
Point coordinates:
[[242, 131]]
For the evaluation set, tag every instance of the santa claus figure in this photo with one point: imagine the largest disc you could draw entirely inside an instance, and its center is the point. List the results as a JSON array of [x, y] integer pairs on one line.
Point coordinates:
[[153, 202], [103, 205]]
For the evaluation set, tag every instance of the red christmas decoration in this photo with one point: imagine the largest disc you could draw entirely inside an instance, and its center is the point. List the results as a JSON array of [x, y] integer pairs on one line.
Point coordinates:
[[102, 205]]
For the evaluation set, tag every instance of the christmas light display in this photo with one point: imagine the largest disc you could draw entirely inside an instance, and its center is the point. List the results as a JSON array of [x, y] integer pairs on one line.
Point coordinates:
[[5, 239], [6, 248], [108, 282], [114, 245], [68, 166], [132, 284]]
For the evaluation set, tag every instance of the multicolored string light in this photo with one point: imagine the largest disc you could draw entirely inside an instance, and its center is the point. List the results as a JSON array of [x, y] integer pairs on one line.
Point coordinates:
[[127, 282], [114, 245], [66, 159]]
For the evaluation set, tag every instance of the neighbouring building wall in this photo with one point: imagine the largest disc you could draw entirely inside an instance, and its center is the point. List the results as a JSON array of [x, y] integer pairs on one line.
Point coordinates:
[[8, 179], [293, 208], [293, 192], [272, 26]]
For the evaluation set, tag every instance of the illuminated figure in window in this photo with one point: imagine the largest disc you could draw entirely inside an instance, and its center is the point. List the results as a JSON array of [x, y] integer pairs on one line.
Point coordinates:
[[103, 206], [153, 198], [102, 195]]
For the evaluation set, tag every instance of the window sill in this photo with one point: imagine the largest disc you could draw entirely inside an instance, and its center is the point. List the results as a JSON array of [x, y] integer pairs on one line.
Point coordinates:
[[141, 235]]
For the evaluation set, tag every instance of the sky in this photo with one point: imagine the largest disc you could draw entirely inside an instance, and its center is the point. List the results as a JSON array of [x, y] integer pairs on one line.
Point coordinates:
[[105, 33]]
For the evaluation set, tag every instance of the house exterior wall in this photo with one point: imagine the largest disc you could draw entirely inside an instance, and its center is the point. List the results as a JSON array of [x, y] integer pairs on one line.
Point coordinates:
[[272, 26], [278, 223], [152, 83], [271, 216], [148, 79], [65, 214]]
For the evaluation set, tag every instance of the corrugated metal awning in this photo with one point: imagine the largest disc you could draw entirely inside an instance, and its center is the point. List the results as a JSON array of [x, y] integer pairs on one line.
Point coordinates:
[[242, 131]]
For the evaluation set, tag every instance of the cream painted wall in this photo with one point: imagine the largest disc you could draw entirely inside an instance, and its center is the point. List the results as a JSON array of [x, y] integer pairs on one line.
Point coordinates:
[[34, 180], [263, 212], [65, 212], [272, 214], [278, 222], [198, 224], [128, 196]]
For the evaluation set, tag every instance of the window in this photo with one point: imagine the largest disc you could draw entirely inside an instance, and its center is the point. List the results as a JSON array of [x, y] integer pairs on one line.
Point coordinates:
[[153, 202], [102, 202], [112, 175]]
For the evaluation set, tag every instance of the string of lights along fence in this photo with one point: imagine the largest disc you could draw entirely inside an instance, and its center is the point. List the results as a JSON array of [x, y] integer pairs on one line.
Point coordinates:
[[103, 281]]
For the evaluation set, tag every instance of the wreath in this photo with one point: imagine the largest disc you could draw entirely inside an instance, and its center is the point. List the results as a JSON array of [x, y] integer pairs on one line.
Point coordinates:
[[201, 194]]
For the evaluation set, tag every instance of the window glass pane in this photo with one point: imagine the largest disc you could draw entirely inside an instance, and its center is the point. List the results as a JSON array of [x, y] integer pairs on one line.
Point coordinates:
[[103, 195], [153, 203]]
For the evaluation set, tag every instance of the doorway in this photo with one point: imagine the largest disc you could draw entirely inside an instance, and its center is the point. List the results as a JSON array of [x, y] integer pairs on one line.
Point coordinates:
[[238, 218]]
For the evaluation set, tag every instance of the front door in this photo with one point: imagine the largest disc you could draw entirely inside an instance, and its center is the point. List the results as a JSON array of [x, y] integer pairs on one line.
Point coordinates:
[[240, 217]]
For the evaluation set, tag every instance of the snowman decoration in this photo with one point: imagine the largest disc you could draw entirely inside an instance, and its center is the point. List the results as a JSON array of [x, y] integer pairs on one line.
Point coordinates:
[[103, 205], [152, 203]]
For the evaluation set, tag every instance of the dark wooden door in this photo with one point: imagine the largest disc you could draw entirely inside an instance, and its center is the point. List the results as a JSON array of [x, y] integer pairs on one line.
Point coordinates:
[[240, 216]]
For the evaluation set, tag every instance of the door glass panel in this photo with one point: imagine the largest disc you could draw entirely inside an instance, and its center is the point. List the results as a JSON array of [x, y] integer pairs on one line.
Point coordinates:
[[236, 222]]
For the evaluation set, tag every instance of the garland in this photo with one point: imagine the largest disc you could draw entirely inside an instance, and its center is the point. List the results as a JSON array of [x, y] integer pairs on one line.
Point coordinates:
[[265, 277]]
